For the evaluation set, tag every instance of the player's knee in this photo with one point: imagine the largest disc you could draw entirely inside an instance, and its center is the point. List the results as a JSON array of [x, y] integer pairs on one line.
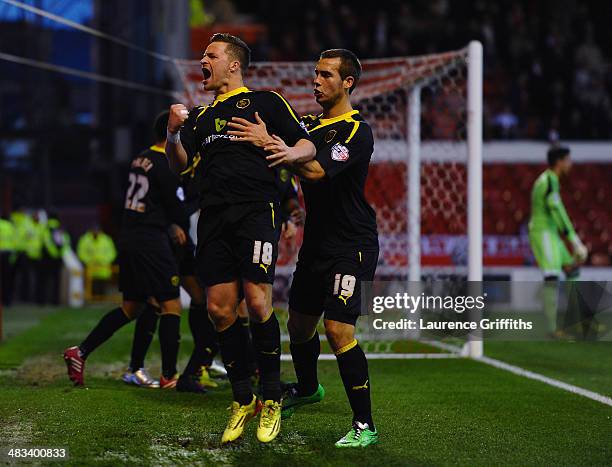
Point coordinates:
[[259, 308], [131, 309], [300, 330], [171, 307], [220, 314], [338, 334]]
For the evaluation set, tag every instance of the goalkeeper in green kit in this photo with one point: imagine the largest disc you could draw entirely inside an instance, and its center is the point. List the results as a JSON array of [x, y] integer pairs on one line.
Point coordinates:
[[548, 224]]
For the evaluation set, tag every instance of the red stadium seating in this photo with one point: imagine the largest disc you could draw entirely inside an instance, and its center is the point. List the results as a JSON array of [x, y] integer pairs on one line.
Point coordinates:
[[507, 190]]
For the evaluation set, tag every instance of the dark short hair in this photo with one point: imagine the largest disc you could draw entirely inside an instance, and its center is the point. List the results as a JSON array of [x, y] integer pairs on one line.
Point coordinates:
[[160, 126], [236, 48], [556, 154], [349, 64]]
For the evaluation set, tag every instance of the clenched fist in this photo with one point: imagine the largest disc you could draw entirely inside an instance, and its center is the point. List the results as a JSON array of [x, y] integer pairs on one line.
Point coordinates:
[[178, 115]]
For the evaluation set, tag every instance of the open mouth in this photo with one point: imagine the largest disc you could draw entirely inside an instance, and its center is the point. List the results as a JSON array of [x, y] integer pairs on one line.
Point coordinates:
[[317, 93], [206, 73]]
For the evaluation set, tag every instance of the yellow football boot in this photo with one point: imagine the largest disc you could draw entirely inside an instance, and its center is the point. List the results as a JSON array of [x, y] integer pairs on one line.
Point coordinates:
[[269, 421], [239, 416]]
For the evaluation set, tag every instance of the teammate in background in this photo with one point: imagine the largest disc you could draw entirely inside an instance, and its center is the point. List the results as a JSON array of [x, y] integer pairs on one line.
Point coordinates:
[[340, 247], [548, 224], [195, 377], [147, 267], [238, 230]]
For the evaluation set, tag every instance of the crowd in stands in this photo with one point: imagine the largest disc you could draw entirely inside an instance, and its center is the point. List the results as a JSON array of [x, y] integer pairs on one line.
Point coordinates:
[[548, 71]]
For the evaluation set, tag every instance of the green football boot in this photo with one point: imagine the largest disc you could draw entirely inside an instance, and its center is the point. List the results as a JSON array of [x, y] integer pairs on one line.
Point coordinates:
[[360, 436], [292, 401]]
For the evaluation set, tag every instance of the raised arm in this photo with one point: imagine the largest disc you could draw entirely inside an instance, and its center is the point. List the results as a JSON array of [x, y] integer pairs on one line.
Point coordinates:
[[177, 156]]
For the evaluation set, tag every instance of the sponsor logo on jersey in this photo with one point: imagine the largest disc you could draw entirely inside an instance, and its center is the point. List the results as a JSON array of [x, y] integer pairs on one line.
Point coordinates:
[[330, 136], [211, 138], [339, 152], [174, 280], [284, 175], [220, 124], [243, 103]]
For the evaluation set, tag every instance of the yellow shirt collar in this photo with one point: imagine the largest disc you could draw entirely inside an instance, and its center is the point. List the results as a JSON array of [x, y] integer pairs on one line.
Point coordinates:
[[344, 116], [323, 122], [227, 95]]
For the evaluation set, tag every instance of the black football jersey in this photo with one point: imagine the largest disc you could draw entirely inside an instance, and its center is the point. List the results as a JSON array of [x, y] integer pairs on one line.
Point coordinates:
[[237, 172], [151, 200], [338, 217]]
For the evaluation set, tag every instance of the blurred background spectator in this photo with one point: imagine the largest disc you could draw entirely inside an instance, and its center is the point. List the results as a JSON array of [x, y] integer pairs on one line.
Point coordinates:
[[97, 252]]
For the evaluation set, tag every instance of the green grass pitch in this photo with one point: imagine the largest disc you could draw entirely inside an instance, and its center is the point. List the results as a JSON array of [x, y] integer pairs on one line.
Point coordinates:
[[428, 412]]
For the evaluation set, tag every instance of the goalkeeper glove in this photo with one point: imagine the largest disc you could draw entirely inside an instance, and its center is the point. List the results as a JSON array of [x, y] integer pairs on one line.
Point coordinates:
[[580, 251]]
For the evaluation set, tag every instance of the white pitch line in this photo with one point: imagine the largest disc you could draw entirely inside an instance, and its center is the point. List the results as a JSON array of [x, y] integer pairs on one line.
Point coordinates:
[[546, 380], [387, 356]]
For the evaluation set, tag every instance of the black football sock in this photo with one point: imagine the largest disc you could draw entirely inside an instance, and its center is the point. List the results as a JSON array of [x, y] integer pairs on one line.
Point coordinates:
[[266, 341], [106, 327], [169, 337], [305, 356], [246, 331], [233, 351], [205, 345], [143, 335], [353, 367]]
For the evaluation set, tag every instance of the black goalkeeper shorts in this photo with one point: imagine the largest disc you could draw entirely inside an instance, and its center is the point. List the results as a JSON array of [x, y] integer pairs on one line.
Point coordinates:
[[238, 242], [330, 285]]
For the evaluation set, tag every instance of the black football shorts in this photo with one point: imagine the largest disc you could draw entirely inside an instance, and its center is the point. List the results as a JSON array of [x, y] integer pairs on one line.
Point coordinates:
[[330, 285], [238, 242], [148, 272]]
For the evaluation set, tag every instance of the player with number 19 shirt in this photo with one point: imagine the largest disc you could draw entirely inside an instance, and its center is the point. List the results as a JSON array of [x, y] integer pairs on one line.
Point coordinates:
[[340, 246]]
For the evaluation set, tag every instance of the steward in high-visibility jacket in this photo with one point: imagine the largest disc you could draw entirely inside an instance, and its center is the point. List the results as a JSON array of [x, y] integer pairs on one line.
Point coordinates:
[[7, 248], [55, 239], [7, 236], [97, 251]]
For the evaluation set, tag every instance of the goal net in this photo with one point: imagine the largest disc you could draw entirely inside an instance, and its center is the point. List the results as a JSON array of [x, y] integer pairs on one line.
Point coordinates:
[[424, 131]]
